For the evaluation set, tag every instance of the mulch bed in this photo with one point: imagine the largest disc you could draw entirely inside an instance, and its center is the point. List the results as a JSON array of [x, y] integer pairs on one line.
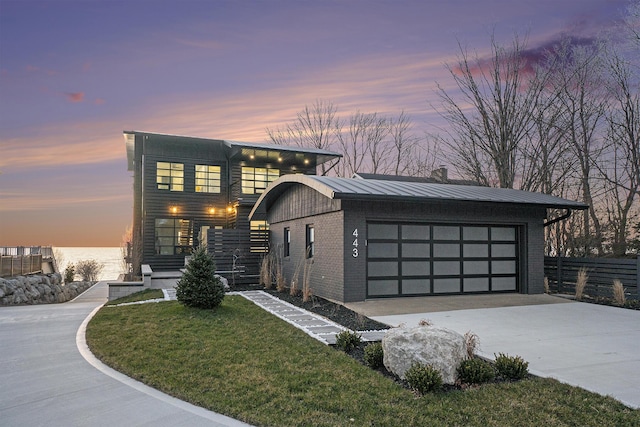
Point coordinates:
[[349, 319]]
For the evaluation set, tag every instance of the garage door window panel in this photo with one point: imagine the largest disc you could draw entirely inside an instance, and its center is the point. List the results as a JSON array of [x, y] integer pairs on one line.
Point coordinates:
[[383, 231], [416, 286], [416, 250], [446, 286], [413, 268], [446, 250], [383, 250], [382, 269], [416, 232], [383, 287]]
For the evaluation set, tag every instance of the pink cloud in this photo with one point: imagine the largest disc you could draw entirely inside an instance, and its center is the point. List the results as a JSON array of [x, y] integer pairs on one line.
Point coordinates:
[[75, 96], [99, 101]]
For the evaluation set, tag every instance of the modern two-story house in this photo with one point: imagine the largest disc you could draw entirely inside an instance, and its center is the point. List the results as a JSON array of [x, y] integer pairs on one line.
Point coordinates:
[[184, 187]]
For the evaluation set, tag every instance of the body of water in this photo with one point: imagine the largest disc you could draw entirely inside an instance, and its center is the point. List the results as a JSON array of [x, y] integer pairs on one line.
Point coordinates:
[[110, 257]]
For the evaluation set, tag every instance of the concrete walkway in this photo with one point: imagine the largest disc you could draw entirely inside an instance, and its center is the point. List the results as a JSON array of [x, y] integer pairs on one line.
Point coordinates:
[[318, 327], [590, 346], [46, 381]]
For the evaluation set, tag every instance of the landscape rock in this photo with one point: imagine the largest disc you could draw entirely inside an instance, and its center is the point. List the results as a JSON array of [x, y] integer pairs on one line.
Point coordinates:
[[439, 347], [39, 289]]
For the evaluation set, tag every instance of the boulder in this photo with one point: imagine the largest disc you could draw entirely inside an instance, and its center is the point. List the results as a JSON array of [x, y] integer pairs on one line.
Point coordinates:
[[439, 347]]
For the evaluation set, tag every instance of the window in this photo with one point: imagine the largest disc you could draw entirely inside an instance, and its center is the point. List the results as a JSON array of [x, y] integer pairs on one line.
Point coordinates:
[[287, 241], [173, 236], [170, 176], [255, 180], [207, 179], [311, 238]]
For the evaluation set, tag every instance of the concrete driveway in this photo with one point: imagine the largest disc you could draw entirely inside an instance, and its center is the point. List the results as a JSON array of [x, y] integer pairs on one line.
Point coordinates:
[[46, 381], [590, 346]]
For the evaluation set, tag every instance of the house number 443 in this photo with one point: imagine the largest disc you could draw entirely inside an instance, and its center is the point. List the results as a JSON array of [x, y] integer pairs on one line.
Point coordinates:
[[354, 250]]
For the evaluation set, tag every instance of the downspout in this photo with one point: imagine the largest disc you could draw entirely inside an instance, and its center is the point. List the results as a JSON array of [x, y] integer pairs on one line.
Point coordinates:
[[566, 215]]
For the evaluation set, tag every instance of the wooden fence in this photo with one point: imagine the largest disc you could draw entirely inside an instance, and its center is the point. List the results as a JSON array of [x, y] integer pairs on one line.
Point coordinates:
[[562, 272], [238, 253], [20, 265]]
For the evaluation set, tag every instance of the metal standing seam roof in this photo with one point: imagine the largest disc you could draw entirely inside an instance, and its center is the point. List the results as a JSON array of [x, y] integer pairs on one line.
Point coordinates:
[[371, 189]]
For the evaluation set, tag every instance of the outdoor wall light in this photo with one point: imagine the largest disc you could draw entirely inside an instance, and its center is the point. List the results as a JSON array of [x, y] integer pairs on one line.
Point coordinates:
[[212, 211], [229, 209], [173, 209], [306, 161]]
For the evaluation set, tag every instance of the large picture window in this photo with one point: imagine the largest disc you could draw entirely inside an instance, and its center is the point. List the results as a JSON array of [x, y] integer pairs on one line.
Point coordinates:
[[255, 180], [173, 236], [207, 179], [170, 176]]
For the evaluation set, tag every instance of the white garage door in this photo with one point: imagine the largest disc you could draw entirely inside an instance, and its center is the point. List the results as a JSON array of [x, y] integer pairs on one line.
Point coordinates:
[[429, 259]]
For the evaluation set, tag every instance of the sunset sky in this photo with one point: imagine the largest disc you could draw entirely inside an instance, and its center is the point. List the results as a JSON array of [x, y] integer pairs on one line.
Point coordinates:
[[75, 74]]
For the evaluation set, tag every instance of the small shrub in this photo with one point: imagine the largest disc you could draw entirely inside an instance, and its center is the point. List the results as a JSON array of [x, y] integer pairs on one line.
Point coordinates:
[[347, 340], [89, 270], [511, 367], [374, 355], [581, 282], [423, 378], [475, 371], [198, 287], [69, 273], [425, 322], [618, 293]]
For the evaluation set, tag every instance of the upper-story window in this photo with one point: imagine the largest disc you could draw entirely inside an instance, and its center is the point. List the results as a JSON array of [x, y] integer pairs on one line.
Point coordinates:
[[170, 176], [255, 180], [207, 179]]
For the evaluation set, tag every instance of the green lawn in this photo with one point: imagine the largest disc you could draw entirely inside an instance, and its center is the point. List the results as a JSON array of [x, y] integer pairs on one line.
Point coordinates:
[[240, 361]]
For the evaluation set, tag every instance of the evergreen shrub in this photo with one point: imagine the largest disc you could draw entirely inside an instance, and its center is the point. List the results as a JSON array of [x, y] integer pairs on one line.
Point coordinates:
[[374, 355], [423, 378], [198, 287], [347, 340], [476, 371], [511, 367]]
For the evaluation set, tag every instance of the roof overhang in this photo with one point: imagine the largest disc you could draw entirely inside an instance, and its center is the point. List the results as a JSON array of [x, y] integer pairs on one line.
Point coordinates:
[[360, 189]]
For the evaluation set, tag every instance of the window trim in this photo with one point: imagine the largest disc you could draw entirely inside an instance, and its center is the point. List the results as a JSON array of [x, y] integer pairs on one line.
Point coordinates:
[[211, 183], [248, 179], [175, 176], [287, 242], [310, 241]]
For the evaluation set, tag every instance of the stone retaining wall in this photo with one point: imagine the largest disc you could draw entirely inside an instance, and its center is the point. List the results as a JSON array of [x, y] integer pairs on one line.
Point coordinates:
[[39, 289]]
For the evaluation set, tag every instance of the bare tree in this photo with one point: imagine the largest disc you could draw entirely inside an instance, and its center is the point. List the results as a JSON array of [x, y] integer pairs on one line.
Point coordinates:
[[362, 143], [314, 127], [622, 172], [404, 142], [487, 136], [578, 80]]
